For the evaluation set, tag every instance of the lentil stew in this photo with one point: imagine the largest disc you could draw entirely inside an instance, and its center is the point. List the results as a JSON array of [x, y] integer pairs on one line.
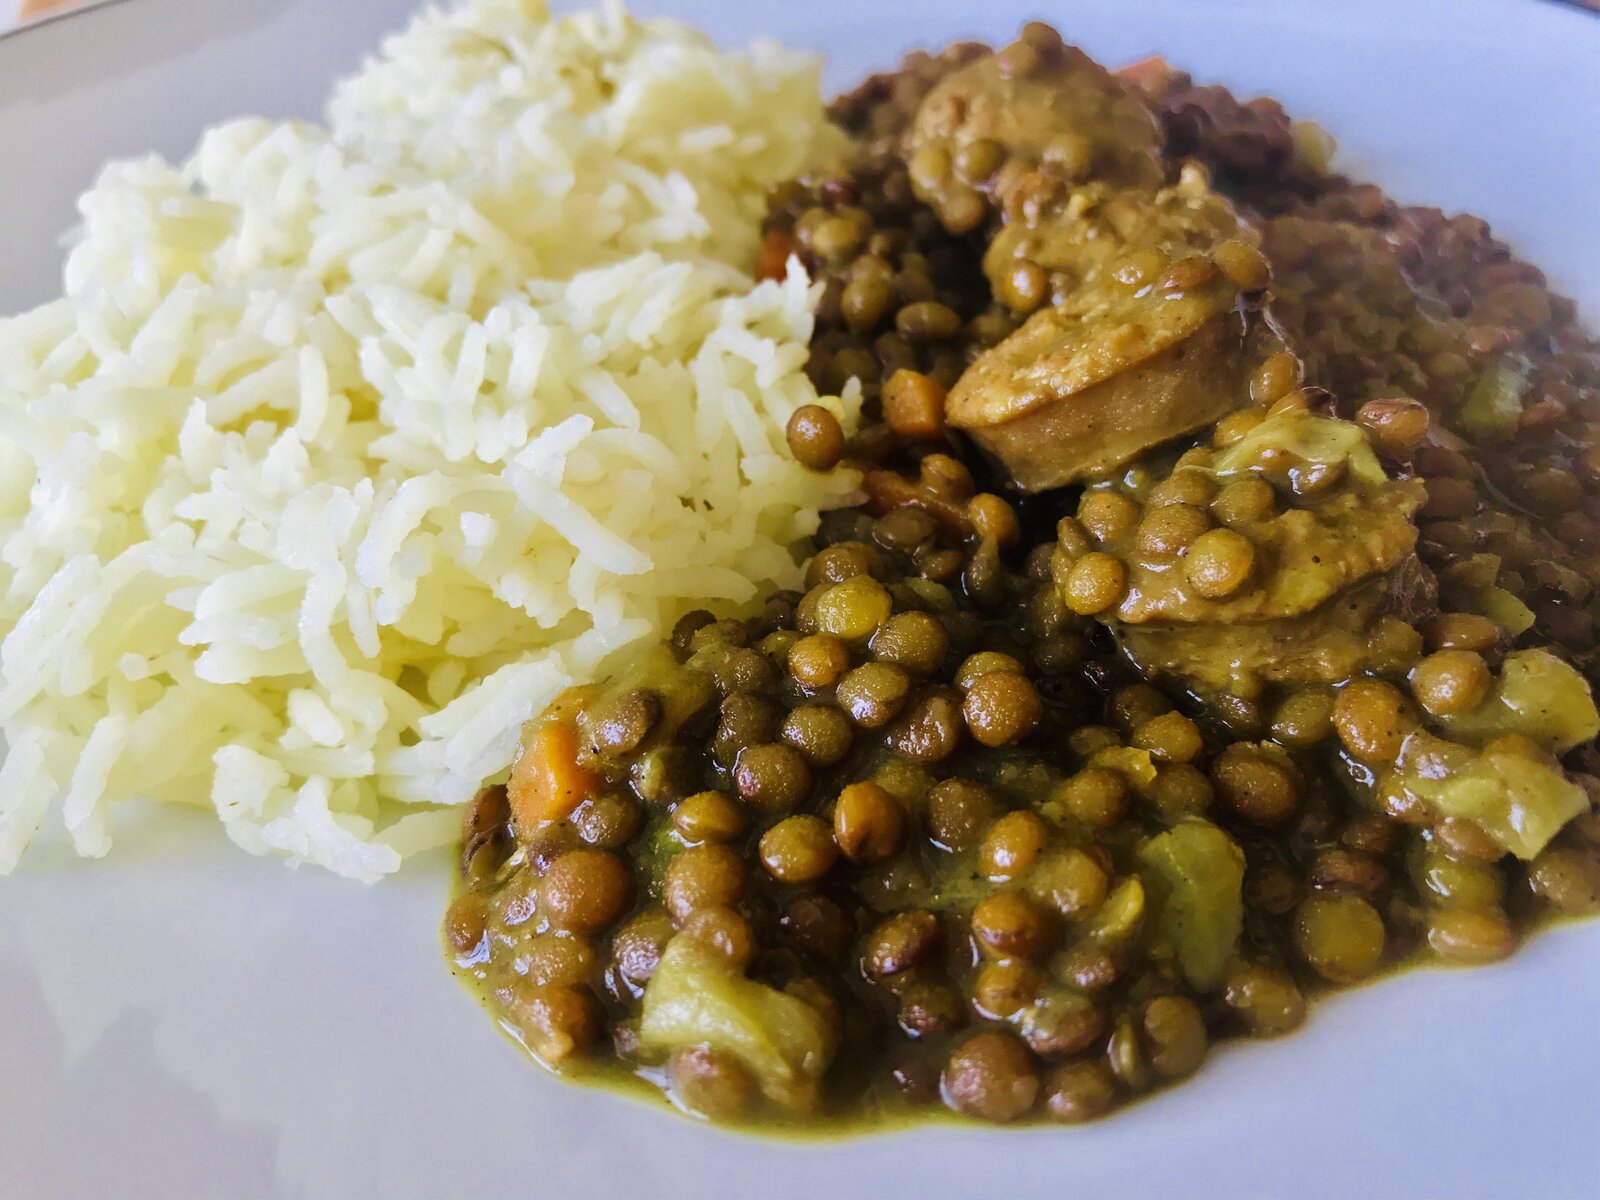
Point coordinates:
[[1216, 628]]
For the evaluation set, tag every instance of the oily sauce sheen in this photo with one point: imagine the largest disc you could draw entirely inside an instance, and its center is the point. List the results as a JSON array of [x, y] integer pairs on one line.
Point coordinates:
[[1218, 629]]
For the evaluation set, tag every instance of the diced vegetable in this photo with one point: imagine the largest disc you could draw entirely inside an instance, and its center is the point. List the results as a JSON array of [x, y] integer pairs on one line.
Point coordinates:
[[1133, 764], [1122, 912], [1493, 408], [547, 782], [1195, 876], [698, 998], [1537, 695], [776, 248], [1519, 801], [1309, 437], [1503, 608]]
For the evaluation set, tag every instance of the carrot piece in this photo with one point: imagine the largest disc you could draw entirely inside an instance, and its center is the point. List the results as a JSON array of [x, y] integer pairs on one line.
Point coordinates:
[[547, 782], [1154, 75], [889, 490], [775, 250], [913, 405]]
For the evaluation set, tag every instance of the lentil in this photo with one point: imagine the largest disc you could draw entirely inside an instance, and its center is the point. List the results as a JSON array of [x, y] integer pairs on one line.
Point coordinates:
[[923, 807], [815, 437], [1340, 937], [868, 824], [991, 1075], [1012, 845], [799, 849]]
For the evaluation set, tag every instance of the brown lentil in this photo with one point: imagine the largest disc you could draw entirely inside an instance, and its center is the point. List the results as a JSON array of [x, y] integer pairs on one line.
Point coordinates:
[[1095, 583], [873, 693], [993, 518], [1108, 516], [1264, 997], [815, 437], [1080, 1091], [586, 890], [1171, 737], [1566, 878], [1168, 531], [927, 320], [799, 849], [1461, 631], [1001, 708], [901, 943], [1174, 1036], [772, 777], [1372, 719], [1009, 925], [958, 812], [1012, 845], [1397, 427], [822, 735], [723, 930], [1244, 501], [1219, 563], [700, 877], [1243, 264], [1095, 796], [942, 606], [817, 661], [711, 1083], [868, 824], [1341, 937], [1071, 881], [1471, 935], [1448, 682], [1254, 785], [991, 1075], [913, 641]]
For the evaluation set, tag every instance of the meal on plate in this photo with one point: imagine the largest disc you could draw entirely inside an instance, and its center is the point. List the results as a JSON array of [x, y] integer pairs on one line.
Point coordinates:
[[956, 599]]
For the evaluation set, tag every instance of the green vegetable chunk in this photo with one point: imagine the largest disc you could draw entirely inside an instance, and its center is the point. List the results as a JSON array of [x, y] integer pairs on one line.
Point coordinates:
[[1136, 766], [1195, 876], [698, 998], [1537, 695], [1307, 436], [1520, 802], [1505, 609], [1493, 408]]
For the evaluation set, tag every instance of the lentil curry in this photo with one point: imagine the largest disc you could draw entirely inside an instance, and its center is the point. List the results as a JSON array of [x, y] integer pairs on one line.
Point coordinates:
[[1216, 628]]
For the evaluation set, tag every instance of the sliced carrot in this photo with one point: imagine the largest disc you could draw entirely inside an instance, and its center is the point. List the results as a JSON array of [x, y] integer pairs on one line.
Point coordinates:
[[888, 490], [1154, 74], [548, 782], [775, 250], [913, 405]]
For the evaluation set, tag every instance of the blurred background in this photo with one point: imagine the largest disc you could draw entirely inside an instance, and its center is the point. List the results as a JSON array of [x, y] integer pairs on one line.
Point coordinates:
[[19, 12], [16, 12]]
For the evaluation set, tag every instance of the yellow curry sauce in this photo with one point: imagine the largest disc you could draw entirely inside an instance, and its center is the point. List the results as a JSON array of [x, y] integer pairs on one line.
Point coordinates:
[[1218, 628]]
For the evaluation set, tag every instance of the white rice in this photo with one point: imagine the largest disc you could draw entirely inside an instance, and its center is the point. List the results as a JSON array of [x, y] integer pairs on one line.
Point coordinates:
[[347, 448]]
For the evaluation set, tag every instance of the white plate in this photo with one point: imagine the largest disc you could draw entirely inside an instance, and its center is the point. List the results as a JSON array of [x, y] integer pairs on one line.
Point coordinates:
[[182, 1020]]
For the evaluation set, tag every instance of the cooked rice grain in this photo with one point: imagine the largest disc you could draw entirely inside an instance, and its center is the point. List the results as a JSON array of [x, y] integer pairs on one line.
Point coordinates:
[[347, 448]]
